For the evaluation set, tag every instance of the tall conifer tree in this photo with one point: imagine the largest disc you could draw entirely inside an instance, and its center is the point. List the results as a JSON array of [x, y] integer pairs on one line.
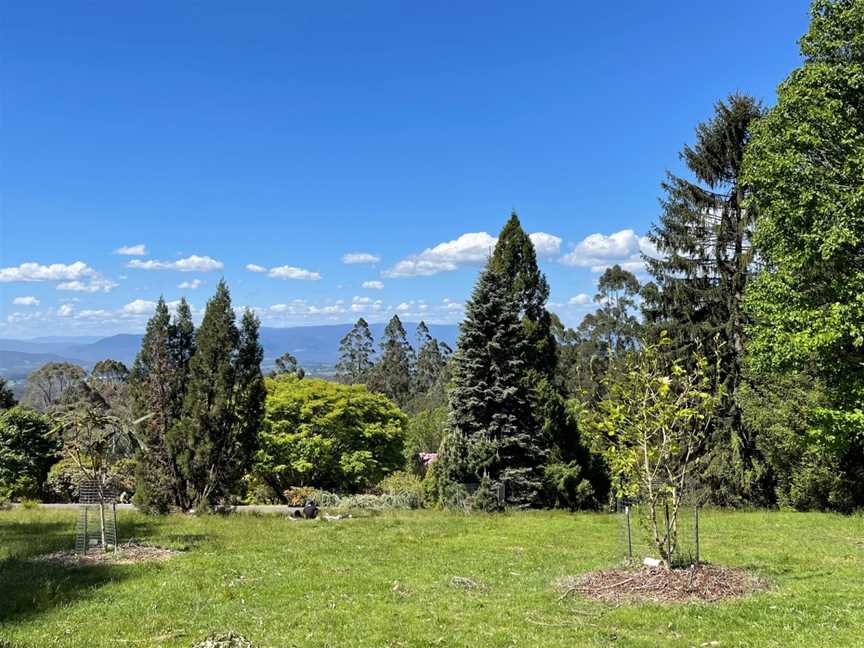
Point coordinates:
[[704, 263], [494, 433]]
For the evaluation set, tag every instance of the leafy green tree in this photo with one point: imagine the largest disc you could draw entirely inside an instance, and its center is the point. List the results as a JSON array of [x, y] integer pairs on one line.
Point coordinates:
[[805, 164], [27, 449], [424, 433], [327, 435], [432, 357], [356, 351], [649, 428], [7, 398], [217, 433], [157, 385], [493, 430], [47, 386], [392, 374], [704, 264]]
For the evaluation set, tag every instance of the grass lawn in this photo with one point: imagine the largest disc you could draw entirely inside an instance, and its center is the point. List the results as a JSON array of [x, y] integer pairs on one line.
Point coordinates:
[[386, 581]]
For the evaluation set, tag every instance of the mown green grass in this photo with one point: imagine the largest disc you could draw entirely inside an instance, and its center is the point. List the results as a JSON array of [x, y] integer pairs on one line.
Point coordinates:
[[386, 581]]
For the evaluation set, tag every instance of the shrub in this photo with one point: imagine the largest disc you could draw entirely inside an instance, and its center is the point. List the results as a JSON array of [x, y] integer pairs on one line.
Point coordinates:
[[65, 477], [327, 435], [370, 502], [27, 449], [298, 495], [401, 483], [431, 487]]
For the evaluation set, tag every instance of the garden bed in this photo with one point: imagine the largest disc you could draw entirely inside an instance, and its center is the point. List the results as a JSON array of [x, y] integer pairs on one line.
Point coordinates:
[[126, 554], [705, 583]]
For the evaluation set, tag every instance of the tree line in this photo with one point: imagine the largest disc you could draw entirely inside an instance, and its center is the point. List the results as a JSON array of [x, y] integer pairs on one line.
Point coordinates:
[[733, 364]]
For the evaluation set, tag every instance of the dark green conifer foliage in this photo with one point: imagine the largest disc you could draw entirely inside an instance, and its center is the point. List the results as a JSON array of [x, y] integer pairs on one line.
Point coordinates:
[[155, 389], [212, 445], [356, 351], [704, 264], [493, 430]]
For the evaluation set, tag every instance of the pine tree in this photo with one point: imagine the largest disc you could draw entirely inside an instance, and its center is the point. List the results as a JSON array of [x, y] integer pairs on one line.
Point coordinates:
[[393, 372], [356, 350], [493, 430], [250, 394], [206, 443], [704, 264], [154, 384]]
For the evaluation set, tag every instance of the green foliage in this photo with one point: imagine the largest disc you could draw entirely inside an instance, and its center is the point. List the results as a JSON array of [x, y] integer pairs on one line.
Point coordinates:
[[64, 478], [7, 398], [27, 449], [649, 427], [403, 483], [704, 263], [214, 442], [356, 350], [424, 433], [392, 374], [328, 435], [493, 430], [287, 363], [805, 163], [485, 498], [48, 385], [566, 487]]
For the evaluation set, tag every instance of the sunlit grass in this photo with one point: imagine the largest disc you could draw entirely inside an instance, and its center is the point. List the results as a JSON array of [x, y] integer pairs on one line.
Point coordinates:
[[386, 581]]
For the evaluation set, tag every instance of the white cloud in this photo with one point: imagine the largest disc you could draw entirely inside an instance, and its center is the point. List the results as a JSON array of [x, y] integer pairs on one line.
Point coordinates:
[[193, 263], [360, 257], [31, 271], [373, 285], [546, 245], [132, 250], [191, 285], [65, 310], [139, 307], [290, 272], [471, 248], [94, 285], [252, 267], [25, 301], [580, 300], [403, 307], [599, 251]]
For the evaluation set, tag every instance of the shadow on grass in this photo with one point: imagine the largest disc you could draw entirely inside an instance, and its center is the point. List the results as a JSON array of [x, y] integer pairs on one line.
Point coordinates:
[[31, 587]]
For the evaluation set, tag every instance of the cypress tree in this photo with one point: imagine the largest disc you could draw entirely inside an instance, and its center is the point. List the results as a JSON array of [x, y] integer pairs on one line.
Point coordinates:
[[250, 394], [355, 354], [705, 262], [154, 388], [207, 444], [493, 431]]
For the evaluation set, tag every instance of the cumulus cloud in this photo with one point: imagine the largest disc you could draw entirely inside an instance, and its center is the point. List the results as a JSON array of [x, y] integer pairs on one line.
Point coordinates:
[[65, 310], [360, 257], [599, 251], [132, 250], [192, 263], [373, 285], [31, 271], [25, 301], [546, 245], [139, 307], [580, 300], [93, 285], [472, 248], [290, 272], [191, 285], [254, 267]]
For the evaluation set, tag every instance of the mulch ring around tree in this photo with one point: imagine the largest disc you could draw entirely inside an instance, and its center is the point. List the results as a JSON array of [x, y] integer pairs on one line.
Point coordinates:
[[127, 554], [705, 583]]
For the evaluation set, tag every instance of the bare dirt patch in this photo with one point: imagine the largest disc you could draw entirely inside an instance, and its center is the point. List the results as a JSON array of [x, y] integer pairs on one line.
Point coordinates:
[[706, 583], [126, 554]]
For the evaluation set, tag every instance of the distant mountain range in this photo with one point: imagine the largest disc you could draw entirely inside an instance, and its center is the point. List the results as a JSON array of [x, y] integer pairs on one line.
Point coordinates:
[[315, 347]]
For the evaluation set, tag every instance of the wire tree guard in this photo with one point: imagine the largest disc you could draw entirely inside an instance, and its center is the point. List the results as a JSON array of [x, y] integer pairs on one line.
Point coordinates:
[[97, 517]]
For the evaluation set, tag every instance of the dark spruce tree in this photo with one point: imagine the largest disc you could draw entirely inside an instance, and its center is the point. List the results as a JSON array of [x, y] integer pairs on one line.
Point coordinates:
[[704, 264], [493, 432], [392, 374], [214, 440], [356, 351], [157, 391]]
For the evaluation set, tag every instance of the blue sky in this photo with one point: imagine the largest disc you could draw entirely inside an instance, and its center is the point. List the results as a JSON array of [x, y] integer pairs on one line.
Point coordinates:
[[282, 136]]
